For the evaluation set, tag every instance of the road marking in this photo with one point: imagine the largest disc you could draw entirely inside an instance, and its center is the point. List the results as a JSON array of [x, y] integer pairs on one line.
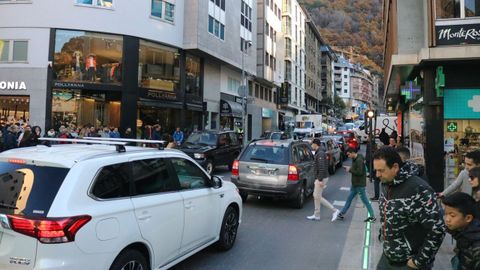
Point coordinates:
[[339, 203], [345, 188]]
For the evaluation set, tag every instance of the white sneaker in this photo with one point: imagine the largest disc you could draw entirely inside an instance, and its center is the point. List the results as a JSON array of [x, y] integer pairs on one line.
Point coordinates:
[[313, 217], [335, 215]]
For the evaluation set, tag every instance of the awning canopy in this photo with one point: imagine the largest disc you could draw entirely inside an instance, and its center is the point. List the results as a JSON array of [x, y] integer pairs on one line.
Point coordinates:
[[230, 108]]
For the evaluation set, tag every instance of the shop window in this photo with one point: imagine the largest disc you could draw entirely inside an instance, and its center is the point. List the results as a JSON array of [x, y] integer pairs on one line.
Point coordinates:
[[13, 51], [96, 3], [14, 108], [88, 57], [192, 70], [158, 67], [85, 108]]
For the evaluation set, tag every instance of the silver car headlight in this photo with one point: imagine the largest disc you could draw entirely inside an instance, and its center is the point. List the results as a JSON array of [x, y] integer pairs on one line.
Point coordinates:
[[199, 156]]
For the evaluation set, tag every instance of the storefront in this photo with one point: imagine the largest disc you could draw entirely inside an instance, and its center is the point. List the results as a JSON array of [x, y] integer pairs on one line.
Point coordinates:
[[461, 128], [22, 96], [108, 80], [231, 113]]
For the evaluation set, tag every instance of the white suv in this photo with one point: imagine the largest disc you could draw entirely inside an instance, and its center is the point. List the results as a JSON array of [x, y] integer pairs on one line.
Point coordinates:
[[77, 206]]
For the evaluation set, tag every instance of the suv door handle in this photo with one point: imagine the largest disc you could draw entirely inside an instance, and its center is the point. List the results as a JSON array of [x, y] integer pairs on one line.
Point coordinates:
[[144, 217]]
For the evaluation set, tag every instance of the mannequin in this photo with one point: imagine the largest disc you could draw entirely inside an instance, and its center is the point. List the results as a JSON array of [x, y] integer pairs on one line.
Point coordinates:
[[77, 65], [91, 67]]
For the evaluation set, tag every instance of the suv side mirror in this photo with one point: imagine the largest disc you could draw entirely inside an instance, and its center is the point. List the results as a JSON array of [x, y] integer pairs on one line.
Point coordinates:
[[216, 182]]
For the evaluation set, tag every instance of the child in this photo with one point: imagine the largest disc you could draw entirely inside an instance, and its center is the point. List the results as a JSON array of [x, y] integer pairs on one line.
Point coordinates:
[[460, 218]]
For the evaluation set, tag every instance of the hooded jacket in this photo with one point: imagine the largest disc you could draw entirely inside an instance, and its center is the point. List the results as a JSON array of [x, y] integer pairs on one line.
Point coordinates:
[[412, 222], [468, 246], [321, 164]]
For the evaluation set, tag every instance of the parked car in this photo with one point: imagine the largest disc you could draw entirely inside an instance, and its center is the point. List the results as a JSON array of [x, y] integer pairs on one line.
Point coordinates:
[[77, 206], [341, 144], [276, 135], [212, 148], [334, 154], [280, 168]]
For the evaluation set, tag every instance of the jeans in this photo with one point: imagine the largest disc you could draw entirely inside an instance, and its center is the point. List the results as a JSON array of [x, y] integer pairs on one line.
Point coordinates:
[[363, 196]]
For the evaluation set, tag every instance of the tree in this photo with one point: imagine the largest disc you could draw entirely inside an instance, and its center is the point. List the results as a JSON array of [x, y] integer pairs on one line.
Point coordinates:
[[339, 107]]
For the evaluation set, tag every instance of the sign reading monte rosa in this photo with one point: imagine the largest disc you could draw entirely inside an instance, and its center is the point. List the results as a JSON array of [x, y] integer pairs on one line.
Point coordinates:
[[458, 34]]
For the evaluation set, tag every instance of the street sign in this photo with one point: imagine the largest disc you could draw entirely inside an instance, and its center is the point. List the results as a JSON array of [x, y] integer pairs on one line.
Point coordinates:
[[452, 126]]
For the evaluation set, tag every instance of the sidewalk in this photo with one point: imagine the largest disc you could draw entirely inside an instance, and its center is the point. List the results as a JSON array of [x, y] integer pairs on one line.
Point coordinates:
[[363, 249]]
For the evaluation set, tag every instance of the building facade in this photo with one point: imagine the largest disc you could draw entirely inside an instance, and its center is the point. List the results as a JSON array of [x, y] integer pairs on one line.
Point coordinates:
[[292, 97], [83, 65], [431, 81]]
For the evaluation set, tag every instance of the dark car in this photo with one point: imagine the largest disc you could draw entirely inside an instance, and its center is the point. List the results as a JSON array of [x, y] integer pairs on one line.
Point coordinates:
[[212, 148], [340, 142], [275, 168]]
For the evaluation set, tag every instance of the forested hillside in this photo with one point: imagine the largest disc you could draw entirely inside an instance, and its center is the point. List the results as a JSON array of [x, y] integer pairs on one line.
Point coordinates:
[[356, 23]]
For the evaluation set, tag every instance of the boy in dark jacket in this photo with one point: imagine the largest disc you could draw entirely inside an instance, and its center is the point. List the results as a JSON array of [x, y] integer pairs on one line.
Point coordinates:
[[359, 181], [462, 223]]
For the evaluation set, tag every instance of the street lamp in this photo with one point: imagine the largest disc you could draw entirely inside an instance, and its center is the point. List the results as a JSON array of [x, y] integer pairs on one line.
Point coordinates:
[[245, 45], [369, 115]]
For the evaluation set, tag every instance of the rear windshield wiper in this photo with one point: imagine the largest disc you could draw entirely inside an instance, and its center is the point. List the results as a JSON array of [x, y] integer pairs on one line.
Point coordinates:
[[7, 206], [260, 159]]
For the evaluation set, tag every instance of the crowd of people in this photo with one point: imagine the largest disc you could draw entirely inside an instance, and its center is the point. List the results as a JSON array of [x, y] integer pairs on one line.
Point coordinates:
[[17, 134]]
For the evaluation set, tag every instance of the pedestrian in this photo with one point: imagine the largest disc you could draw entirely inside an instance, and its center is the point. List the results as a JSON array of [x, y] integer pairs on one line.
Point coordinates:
[[128, 133], [359, 182], [26, 139], [383, 136], [474, 176], [157, 133], [412, 228], [461, 218], [404, 154], [37, 133], [321, 179], [114, 133], [472, 160], [392, 142], [178, 136], [10, 139]]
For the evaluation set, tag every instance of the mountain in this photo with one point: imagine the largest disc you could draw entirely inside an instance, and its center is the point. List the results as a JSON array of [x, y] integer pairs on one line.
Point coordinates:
[[351, 25]]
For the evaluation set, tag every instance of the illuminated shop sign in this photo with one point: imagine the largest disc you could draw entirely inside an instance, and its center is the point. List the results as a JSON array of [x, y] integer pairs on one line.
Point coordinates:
[[458, 34], [461, 104], [8, 85]]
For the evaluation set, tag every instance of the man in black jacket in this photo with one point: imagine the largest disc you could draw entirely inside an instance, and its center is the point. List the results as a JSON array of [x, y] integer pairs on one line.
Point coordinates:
[[321, 178], [412, 223]]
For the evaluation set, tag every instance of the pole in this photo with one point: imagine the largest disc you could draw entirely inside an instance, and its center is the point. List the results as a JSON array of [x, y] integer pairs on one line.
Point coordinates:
[[370, 131], [244, 101]]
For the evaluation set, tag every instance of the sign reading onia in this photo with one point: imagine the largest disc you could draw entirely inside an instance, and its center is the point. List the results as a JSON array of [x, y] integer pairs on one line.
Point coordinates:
[[452, 126], [461, 104]]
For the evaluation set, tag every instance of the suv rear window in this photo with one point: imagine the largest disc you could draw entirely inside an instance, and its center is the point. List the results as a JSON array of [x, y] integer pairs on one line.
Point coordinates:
[[27, 189], [266, 154]]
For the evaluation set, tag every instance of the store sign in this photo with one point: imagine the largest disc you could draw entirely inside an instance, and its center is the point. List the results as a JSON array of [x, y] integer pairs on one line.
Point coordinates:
[[452, 126], [410, 90], [267, 113], [69, 85], [158, 95], [458, 34], [8, 85], [461, 104]]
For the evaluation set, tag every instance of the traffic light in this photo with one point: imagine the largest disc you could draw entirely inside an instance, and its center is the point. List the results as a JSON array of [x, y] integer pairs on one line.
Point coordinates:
[[370, 114]]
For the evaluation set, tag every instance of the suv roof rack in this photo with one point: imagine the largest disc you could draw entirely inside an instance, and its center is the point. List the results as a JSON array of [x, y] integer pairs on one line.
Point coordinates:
[[119, 146], [159, 142]]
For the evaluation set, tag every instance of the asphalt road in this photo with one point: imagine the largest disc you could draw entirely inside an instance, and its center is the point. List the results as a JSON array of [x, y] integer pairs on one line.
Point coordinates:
[[275, 236]]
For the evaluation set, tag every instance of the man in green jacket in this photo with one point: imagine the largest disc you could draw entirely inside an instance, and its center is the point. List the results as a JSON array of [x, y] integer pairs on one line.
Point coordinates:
[[359, 181]]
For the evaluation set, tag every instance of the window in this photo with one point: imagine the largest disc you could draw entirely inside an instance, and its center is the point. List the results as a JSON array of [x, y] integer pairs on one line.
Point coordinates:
[[257, 91], [345, 76], [219, 3], [88, 57], [446, 9], [159, 67], [163, 10], [189, 175], [153, 176], [345, 91], [345, 83], [267, 58], [215, 27], [113, 182], [96, 3], [246, 16], [29, 190], [288, 47], [192, 70], [13, 51]]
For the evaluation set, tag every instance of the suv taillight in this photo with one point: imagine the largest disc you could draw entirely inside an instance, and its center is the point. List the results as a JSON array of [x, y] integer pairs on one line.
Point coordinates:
[[235, 166], [49, 230], [293, 173]]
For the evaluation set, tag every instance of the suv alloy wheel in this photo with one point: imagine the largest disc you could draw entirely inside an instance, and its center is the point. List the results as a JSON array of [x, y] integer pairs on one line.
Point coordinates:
[[130, 259], [228, 231]]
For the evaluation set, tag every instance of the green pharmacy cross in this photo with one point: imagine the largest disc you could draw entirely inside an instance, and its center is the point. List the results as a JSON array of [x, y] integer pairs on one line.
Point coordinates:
[[452, 126]]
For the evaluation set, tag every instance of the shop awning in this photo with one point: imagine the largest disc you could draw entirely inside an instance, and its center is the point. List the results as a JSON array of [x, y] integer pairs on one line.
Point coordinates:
[[230, 108]]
